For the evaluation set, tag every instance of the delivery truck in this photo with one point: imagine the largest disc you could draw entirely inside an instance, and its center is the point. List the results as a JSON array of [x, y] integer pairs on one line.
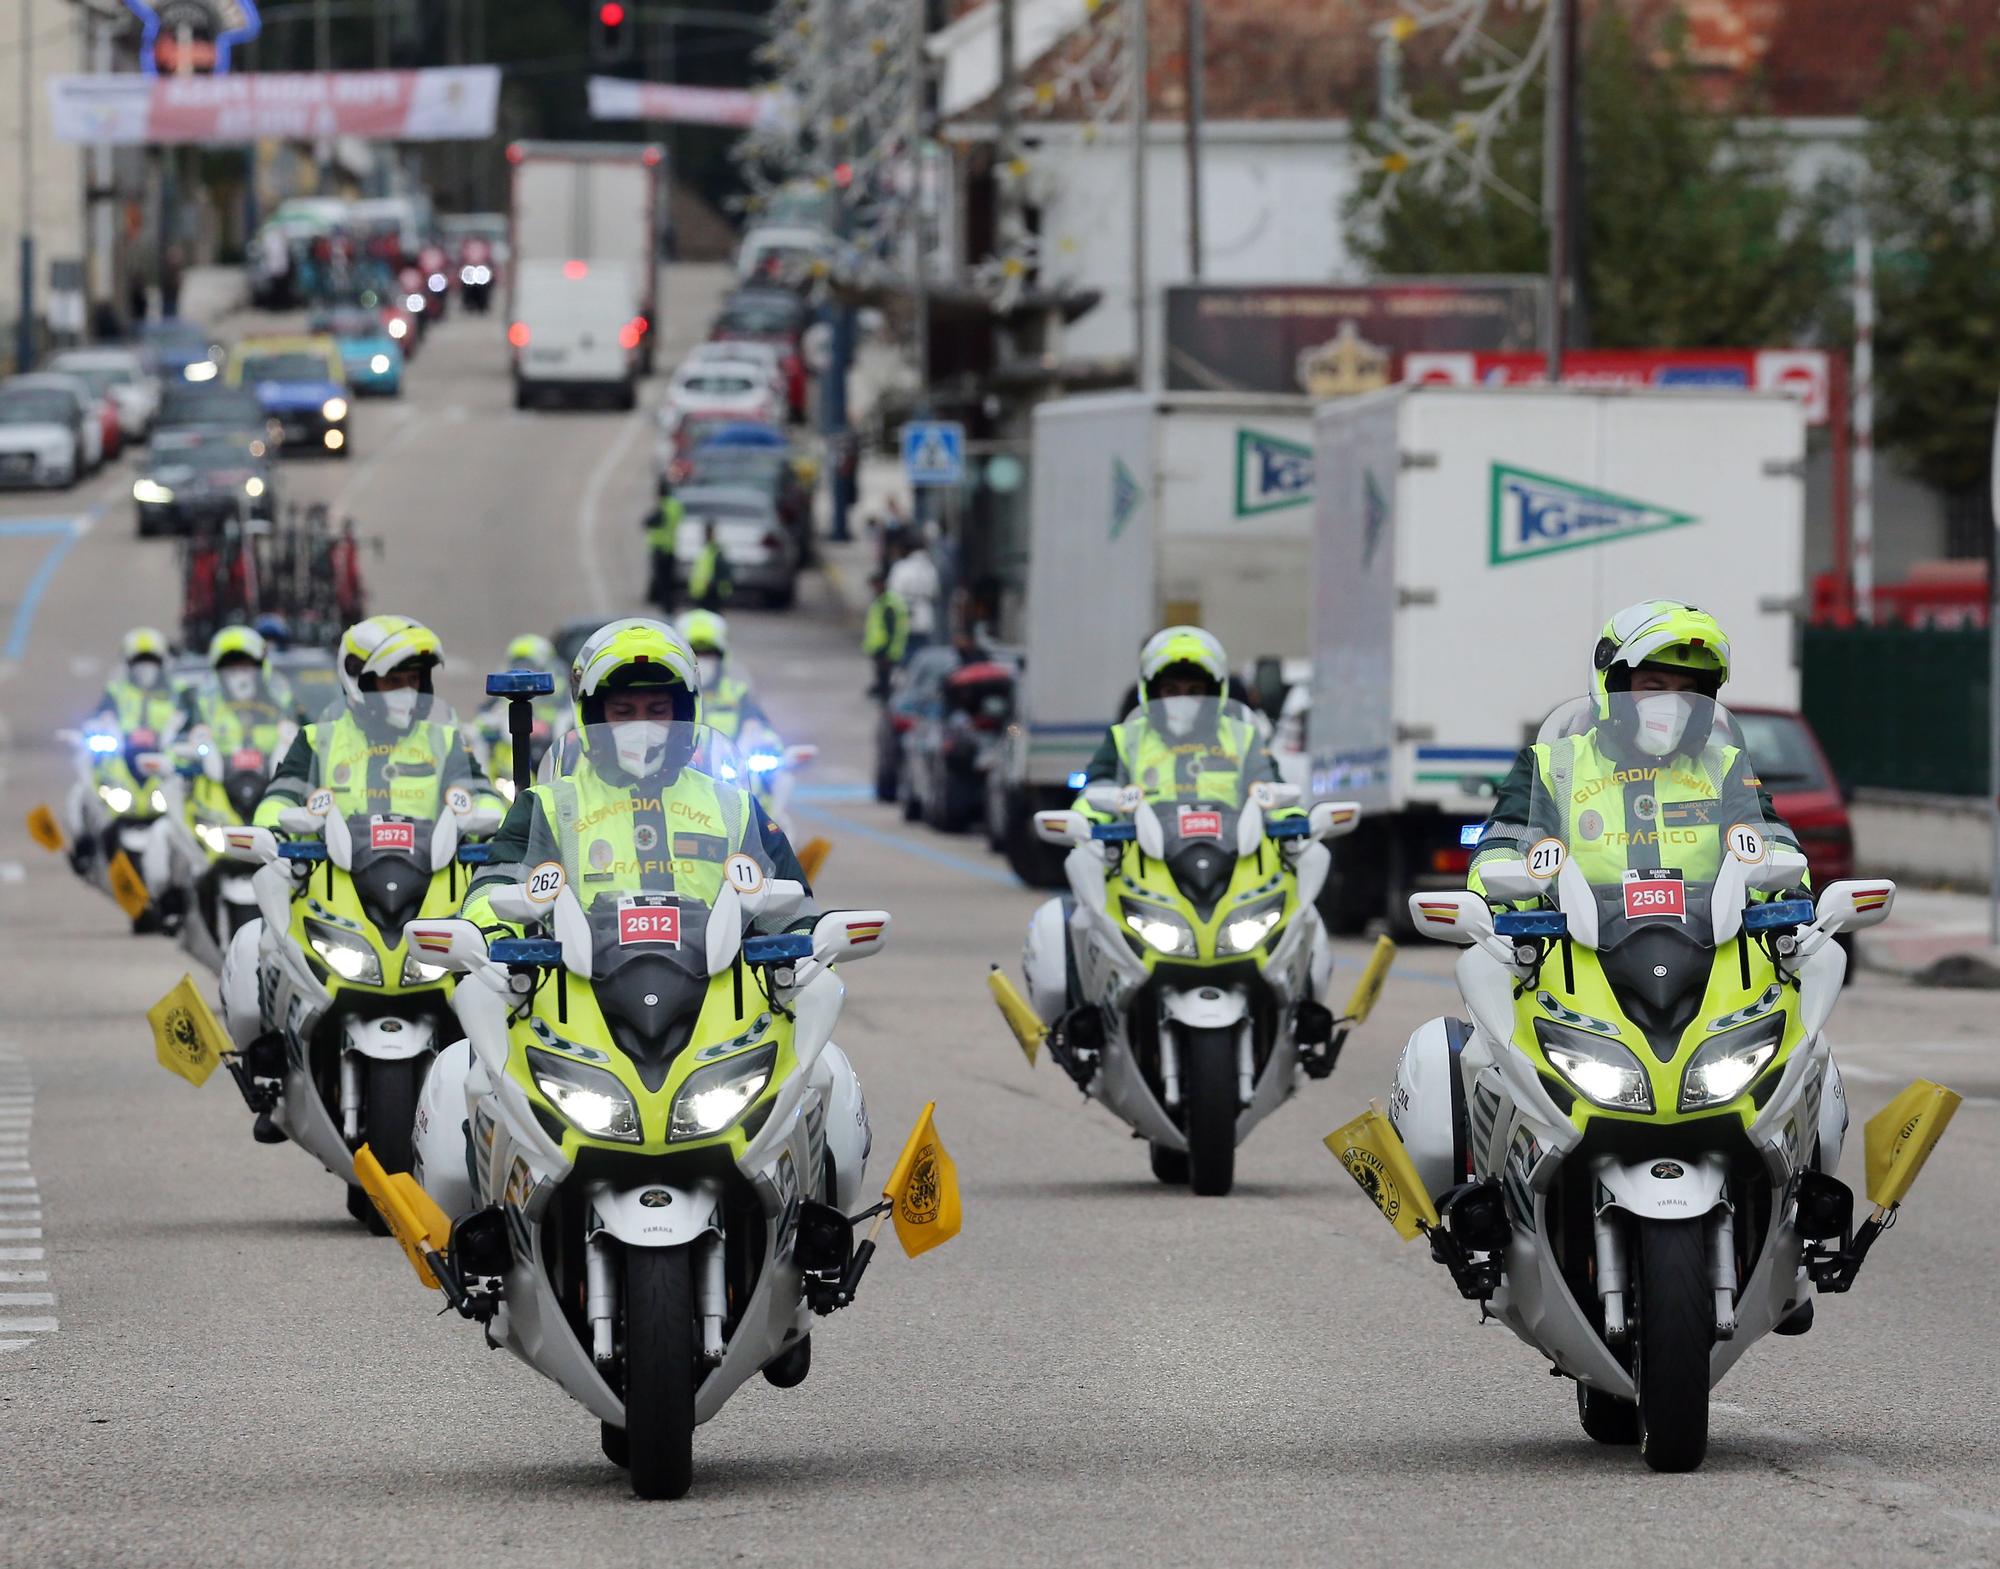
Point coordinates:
[[1148, 509], [581, 205], [1470, 544]]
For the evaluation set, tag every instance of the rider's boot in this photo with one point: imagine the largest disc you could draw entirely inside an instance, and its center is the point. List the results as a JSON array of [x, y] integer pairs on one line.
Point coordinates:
[[1076, 1041], [1312, 1028]]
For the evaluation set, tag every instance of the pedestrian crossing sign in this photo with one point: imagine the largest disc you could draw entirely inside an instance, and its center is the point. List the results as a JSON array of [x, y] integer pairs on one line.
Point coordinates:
[[934, 452]]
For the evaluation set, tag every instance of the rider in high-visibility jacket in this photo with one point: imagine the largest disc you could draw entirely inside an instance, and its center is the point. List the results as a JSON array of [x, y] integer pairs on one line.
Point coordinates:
[[1624, 805], [627, 811], [139, 697], [239, 713], [727, 703]]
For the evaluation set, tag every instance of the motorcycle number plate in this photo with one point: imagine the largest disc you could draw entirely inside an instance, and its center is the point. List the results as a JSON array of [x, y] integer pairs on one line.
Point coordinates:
[[649, 923], [391, 835], [1654, 893], [246, 758], [1200, 824]]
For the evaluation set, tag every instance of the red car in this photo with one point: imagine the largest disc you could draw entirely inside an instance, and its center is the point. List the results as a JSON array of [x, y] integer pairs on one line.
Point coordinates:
[[1803, 788]]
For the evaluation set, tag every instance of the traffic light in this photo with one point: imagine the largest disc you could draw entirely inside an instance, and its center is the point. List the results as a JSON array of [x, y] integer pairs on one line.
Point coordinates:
[[611, 28]]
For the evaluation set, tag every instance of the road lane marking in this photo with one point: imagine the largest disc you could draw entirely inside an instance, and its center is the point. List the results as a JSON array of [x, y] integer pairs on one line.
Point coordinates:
[[26, 1299], [66, 532], [21, 1255], [593, 495], [22, 1277], [20, 1203]]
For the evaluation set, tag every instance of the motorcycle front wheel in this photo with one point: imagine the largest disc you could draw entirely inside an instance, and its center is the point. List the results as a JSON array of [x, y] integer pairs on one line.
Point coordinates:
[[1208, 1090], [659, 1371], [1676, 1333]]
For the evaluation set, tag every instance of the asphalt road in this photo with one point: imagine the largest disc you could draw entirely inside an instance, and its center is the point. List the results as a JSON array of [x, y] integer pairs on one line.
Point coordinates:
[[204, 1362]]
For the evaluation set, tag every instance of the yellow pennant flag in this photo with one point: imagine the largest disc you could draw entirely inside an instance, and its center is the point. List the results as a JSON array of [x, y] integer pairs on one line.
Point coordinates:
[[1021, 1018], [1368, 989], [127, 886], [44, 830], [1374, 1157], [186, 1037], [413, 1216], [923, 1189], [813, 856], [1901, 1136]]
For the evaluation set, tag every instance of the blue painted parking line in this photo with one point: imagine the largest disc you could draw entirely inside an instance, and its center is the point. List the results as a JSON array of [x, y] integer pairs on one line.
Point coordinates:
[[832, 792]]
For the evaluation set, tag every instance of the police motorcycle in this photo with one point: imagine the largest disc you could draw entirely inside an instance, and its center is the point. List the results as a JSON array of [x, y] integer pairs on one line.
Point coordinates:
[[650, 1142], [351, 1014], [120, 820], [1633, 1143], [771, 770], [1179, 981]]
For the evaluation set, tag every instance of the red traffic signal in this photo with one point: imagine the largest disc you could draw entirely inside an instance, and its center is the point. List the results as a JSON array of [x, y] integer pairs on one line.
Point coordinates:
[[610, 36], [611, 14]]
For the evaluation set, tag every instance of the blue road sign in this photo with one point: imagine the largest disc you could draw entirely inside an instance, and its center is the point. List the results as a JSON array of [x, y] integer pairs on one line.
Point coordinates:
[[934, 452]]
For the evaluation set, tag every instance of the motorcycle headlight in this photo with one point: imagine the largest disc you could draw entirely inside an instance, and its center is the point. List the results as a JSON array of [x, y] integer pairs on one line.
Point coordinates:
[[717, 1095], [334, 408], [1245, 929], [117, 797], [214, 838], [505, 786], [347, 954], [591, 1099], [1728, 1064], [1601, 1069], [418, 973], [1160, 929], [158, 800]]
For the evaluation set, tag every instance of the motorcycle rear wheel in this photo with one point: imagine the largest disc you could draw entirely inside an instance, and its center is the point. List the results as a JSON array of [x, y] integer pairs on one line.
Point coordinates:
[[1208, 1090], [1676, 1333], [659, 1371]]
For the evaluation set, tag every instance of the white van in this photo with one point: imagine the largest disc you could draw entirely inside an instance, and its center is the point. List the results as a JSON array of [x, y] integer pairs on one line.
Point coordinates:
[[576, 330]]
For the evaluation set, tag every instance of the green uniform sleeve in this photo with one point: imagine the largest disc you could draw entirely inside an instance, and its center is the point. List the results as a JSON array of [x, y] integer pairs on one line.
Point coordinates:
[[291, 784], [461, 767], [1101, 769], [1508, 830], [523, 840]]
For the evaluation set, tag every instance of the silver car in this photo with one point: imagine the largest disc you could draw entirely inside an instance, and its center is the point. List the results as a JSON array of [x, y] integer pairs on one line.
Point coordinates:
[[763, 554]]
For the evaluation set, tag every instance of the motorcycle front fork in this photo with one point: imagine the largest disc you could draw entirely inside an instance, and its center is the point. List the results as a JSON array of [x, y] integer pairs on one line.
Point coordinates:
[[1612, 1237], [1170, 1066], [600, 1295]]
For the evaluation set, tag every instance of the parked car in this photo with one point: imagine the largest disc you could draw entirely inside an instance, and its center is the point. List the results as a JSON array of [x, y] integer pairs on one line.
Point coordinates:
[[1803, 788], [783, 253], [302, 389], [737, 389], [90, 410], [762, 314], [370, 357], [737, 351], [200, 478], [916, 689], [679, 438], [41, 438], [116, 372], [763, 556], [770, 470], [953, 747]]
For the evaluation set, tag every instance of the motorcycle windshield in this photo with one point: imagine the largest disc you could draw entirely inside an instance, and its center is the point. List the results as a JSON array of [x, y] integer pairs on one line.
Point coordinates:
[[1192, 751], [1640, 802]]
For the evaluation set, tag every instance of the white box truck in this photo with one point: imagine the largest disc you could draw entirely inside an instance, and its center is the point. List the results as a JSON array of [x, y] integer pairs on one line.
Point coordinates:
[[1148, 509], [1469, 546], [571, 334], [592, 204]]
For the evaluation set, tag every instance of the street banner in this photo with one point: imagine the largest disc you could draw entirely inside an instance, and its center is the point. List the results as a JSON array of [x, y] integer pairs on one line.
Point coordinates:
[[1804, 373], [1331, 340], [618, 98], [449, 104]]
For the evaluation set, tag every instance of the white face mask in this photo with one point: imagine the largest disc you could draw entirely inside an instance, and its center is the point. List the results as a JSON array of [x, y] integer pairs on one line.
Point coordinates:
[[1659, 721], [145, 673], [642, 746], [400, 706], [239, 685], [710, 666], [1181, 713]]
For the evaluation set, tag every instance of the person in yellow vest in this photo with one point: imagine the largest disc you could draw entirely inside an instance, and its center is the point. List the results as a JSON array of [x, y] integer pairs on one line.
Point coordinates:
[[885, 635], [727, 703], [390, 750], [137, 701], [1626, 780], [709, 584], [663, 530], [630, 810]]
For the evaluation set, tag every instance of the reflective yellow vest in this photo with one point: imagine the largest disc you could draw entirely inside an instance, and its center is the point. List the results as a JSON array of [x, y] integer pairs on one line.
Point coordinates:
[[143, 708], [722, 706], [1205, 769], [666, 529], [404, 776], [619, 839], [1636, 815]]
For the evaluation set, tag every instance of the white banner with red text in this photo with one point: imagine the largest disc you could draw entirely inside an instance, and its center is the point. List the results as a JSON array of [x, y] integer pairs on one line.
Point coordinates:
[[450, 104]]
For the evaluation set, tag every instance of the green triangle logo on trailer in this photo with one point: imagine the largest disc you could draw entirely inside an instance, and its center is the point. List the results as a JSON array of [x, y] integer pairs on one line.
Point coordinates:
[[1538, 514]]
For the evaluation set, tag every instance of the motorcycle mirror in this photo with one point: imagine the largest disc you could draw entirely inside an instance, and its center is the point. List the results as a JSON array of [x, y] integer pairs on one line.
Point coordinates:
[[1331, 819], [260, 844], [1460, 918], [457, 945], [849, 934], [1852, 906], [799, 756]]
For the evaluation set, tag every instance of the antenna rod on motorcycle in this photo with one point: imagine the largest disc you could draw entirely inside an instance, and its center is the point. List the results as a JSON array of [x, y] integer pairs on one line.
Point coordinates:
[[520, 688]]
